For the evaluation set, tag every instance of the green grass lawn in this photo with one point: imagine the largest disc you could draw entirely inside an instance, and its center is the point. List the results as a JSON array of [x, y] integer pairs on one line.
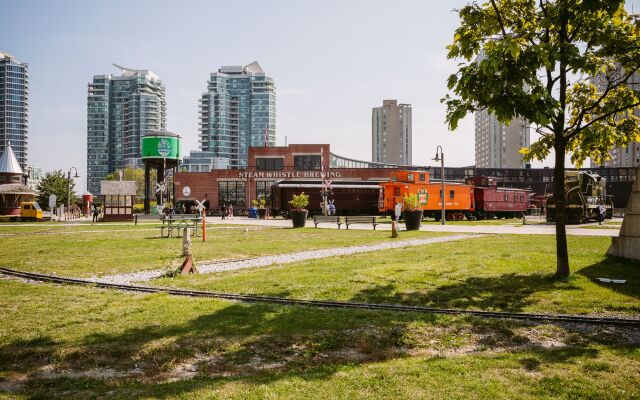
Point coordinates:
[[497, 272], [79, 343], [86, 250]]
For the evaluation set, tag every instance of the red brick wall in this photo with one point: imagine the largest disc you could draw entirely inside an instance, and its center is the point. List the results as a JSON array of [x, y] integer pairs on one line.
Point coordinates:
[[201, 183]]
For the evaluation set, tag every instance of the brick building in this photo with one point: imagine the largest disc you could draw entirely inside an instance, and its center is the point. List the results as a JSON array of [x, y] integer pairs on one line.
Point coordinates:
[[266, 165]]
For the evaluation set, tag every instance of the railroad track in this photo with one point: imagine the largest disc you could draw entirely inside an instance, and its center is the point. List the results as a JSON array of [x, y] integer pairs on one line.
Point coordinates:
[[326, 303]]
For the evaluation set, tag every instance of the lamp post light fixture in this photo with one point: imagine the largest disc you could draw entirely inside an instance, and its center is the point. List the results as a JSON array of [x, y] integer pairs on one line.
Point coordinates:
[[440, 157], [69, 188]]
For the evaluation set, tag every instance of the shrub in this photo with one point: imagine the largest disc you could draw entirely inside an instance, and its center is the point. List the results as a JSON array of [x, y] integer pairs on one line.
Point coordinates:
[[411, 202], [299, 201]]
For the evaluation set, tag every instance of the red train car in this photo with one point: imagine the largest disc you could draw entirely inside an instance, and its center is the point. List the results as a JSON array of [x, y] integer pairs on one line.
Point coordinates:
[[500, 202]]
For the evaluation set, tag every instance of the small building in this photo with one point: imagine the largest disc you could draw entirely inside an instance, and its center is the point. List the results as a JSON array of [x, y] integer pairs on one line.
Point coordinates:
[[117, 198], [12, 189]]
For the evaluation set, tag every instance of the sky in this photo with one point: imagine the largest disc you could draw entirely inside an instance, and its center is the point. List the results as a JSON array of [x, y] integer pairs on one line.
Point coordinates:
[[332, 62]]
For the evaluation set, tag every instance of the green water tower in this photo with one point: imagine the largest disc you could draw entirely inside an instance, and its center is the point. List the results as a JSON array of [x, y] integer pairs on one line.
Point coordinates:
[[160, 151]]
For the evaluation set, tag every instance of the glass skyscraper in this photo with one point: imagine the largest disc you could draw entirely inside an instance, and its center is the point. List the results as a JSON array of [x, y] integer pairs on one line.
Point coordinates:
[[238, 111], [14, 107], [120, 110]]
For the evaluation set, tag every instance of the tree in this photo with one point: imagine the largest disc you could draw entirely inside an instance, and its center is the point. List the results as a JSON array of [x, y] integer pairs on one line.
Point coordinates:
[[55, 182], [564, 65], [137, 175]]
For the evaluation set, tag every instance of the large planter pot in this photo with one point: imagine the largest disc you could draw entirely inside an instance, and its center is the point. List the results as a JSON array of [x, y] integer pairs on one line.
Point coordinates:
[[412, 219], [299, 218], [262, 213]]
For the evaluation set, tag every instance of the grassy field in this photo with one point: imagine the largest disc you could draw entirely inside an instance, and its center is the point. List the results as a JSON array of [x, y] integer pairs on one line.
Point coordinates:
[[79, 343], [499, 272], [86, 250]]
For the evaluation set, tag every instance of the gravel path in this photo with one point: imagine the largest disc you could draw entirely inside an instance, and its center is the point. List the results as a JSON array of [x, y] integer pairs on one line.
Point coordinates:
[[280, 259]]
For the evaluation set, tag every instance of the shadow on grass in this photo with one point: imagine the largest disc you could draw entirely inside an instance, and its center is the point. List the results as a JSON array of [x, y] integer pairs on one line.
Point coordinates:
[[616, 268], [508, 292], [255, 344]]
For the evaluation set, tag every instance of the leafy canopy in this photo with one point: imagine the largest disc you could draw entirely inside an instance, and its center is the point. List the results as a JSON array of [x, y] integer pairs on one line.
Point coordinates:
[[564, 65], [55, 182]]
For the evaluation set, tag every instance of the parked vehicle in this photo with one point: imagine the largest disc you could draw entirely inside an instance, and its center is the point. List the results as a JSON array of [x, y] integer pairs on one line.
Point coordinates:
[[459, 199], [29, 211], [499, 202], [349, 197], [585, 192]]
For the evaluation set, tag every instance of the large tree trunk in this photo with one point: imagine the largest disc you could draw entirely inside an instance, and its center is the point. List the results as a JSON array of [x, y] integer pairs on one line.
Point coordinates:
[[562, 254]]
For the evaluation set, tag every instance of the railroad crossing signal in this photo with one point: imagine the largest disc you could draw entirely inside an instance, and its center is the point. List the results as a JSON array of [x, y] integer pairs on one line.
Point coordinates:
[[161, 187], [326, 184], [200, 205]]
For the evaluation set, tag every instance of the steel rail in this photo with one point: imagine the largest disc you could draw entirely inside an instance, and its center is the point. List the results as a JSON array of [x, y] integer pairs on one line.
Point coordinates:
[[326, 303]]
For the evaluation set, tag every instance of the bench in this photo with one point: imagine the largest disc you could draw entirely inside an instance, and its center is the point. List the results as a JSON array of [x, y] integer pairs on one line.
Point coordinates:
[[179, 222], [361, 220], [330, 218]]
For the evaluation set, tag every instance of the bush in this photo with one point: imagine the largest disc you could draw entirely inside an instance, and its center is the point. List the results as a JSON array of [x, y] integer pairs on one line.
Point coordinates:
[[299, 201], [411, 202]]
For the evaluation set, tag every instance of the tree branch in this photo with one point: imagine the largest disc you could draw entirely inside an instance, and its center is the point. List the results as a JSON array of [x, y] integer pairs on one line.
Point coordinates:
[[600, 118], [576, 124], [495, 8]]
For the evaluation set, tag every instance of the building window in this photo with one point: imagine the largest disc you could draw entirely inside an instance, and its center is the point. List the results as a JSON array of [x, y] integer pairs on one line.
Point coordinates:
[[231, 192], [307, 163], [269, 164], [263, 190]]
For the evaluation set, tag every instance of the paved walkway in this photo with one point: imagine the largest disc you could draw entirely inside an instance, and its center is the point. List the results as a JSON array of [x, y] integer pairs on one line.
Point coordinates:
[[534, 228], [280, 259]]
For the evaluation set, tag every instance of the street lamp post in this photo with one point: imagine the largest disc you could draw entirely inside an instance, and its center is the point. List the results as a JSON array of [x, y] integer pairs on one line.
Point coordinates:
[[440, 157], [69, 188]]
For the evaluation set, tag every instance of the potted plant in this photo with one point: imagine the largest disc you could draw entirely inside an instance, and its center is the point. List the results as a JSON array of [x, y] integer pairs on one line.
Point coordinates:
[[253, 211], [412, 212], [298, 210], [262, 208]]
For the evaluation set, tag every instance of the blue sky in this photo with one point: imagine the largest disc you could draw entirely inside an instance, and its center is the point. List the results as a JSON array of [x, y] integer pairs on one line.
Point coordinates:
[[332, 61]]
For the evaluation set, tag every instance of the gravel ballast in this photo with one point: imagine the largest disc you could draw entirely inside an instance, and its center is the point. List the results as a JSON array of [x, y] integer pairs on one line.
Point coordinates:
[[288, 258]]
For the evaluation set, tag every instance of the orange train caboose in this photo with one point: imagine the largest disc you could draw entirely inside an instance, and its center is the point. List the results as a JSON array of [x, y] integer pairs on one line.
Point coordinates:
[[459, 200]]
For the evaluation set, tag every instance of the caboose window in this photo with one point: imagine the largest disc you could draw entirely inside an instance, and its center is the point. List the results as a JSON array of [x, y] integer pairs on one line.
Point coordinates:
[[410, 177], [422, 177], [452, 194]]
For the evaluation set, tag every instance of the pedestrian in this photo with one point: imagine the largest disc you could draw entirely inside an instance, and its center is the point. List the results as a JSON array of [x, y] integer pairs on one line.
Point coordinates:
[[230, 211], [96, 213], [223, 210], [398, 211]]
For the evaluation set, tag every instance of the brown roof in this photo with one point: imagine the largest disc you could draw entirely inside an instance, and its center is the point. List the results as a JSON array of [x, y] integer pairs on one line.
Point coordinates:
[[16, 188], [118, 188]]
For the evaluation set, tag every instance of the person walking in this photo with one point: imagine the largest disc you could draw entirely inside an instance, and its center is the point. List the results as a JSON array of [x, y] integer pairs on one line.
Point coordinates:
[[96, 213], [601, 211], [223, 210], [230, 211]]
